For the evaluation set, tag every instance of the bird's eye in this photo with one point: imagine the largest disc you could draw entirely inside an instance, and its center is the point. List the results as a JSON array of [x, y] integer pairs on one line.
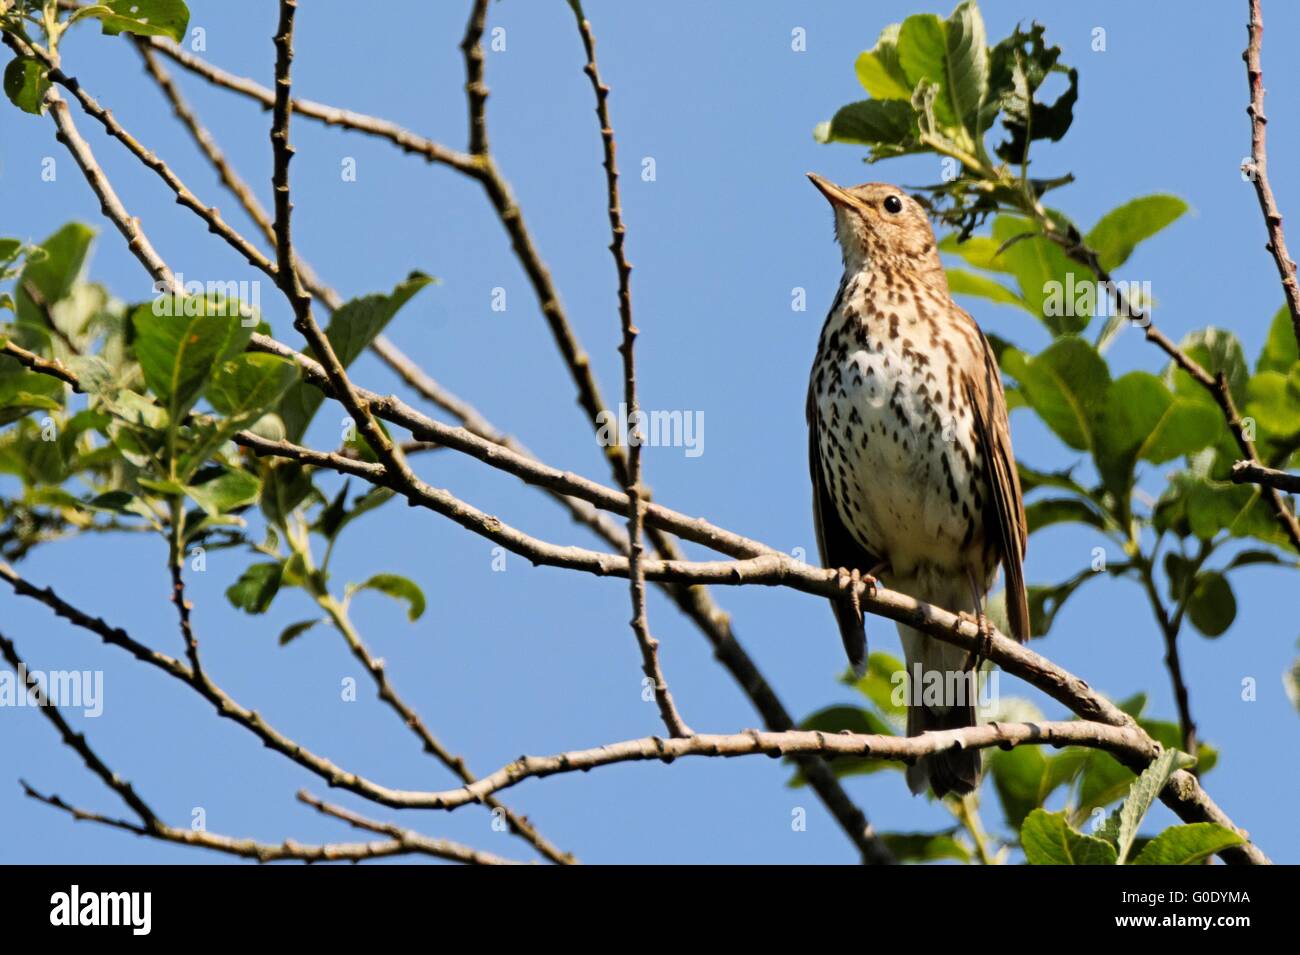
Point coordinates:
[[893, 205]]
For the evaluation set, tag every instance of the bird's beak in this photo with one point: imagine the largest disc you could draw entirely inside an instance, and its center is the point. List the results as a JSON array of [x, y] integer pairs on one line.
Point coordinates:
[[833, 193]]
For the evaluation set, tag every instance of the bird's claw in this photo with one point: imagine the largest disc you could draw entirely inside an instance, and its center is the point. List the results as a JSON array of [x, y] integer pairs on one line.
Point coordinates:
[[853, 581], [981, 622]]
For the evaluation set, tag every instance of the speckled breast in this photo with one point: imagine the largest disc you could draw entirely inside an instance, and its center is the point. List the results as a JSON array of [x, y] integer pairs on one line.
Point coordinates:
[[897, 438]]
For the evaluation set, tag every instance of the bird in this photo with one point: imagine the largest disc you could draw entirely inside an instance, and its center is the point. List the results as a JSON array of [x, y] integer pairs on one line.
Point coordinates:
[[910, 456]]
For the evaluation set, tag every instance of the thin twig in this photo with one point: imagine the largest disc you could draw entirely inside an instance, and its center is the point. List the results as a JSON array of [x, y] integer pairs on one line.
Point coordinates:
[[286, 272], [184, 196], [78, 743], [519, 825], [1257, 168], [650, 663], [1169, 629], [410, 843], [329, 115]]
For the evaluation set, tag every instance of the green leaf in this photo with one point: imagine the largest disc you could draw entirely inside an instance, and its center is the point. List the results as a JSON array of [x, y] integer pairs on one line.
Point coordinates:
[[53, 274], [1060, 510], [847, 719], [256, 587], [117, 502], [1046, 601], [925, 846], [961, 282], [852, 719], [1170, 736], [1143, 420], [952, 56], [296, 630], [1188, 845], [397, 587], [1212, 606], [1049, 840], [1103, 780], [168, 18], [1192, 503], [247, 384], [1066, 384], [1059, 290], [226, 492], [1217, 351], [884, 674], [1119, 231], [1018, 65], [351, 329], [362, 504], [1280, 352], [983, 252], [331, 517], [23, 391], [285, 485], [178, 353], [1018, 776], [26, 79], [1122, 825], [879, 71], [1272, 402], [887, 126]]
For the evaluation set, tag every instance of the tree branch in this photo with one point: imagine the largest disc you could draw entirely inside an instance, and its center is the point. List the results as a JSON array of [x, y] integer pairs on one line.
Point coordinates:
[[1129, 742], [409, 843], [1251, 472], [636, 506], [1258, 166]]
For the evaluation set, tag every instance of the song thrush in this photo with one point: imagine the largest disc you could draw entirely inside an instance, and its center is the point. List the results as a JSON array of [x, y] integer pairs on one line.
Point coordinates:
[[910, 452]]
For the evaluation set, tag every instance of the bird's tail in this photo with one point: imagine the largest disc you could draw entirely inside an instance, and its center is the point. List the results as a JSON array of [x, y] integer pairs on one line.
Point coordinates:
[[941, 696]]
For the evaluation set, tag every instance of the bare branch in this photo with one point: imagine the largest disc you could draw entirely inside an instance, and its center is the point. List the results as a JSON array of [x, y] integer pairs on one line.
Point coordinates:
[[78, 744], [329, 115], [286, 272], [1258, 166], [184, 196], [518, 824], [410, 843], [650, 664], [1128, 742]]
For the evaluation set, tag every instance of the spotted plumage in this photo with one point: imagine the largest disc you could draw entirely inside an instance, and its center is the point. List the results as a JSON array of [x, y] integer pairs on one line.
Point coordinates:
[[910, 452]]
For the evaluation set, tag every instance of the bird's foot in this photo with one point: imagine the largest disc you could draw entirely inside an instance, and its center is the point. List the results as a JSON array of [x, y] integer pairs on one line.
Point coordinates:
[[852, 581], [982, 649]]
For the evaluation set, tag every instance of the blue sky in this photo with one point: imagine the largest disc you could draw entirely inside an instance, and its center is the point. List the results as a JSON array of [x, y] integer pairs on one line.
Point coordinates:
[[541, 660]]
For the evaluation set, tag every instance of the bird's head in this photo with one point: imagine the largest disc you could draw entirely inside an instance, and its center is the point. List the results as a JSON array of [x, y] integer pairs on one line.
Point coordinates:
[[881, 226]]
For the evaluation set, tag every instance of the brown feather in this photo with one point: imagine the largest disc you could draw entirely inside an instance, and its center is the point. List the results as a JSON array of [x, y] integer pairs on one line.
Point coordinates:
[[838, 548], [1006, 514]]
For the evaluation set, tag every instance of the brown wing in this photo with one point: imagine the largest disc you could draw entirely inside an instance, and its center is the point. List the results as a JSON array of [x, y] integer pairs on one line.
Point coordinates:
[[1005, 513], [838, 548]]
